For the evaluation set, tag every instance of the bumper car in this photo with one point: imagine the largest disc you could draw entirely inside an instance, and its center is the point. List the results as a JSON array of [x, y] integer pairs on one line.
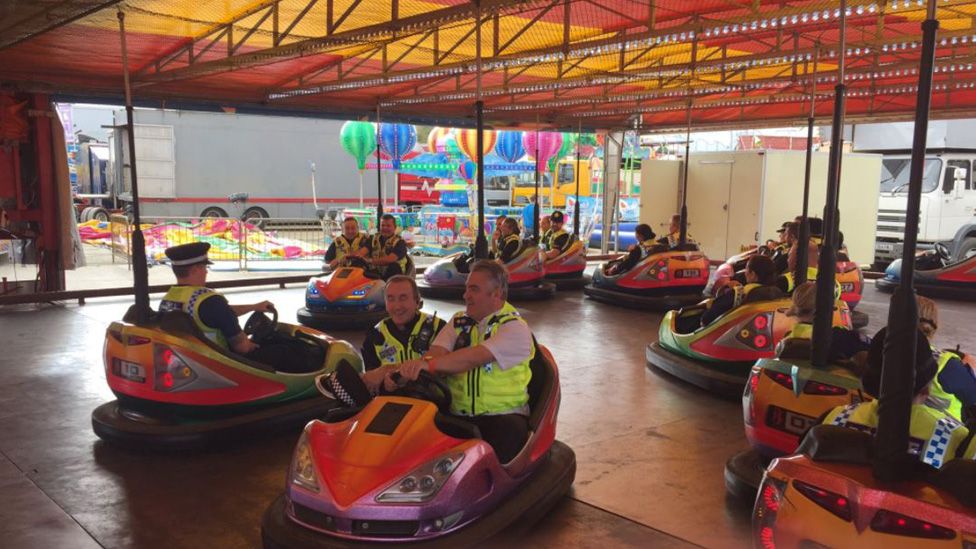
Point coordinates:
[[665, 280], [351, 297], [827, 496], [718, 357], [445, 279], [783, 398], [849, 278], [936, 275], [566, 270], [176, 389], [399, 471]]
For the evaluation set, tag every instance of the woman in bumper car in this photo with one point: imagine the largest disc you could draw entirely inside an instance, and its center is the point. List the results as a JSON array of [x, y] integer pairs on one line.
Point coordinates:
[[760, 277], [645, 246]]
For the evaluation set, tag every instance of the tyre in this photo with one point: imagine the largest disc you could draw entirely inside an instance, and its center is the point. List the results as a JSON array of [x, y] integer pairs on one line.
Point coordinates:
[[86, 214], [967, 249], [99, 214], [255, 216], [213, 211]]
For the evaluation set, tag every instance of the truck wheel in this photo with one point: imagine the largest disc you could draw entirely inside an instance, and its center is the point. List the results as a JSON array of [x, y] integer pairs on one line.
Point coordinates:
[[256, 216], [86, 214], [99, 214], [967, 248], [213, 211]]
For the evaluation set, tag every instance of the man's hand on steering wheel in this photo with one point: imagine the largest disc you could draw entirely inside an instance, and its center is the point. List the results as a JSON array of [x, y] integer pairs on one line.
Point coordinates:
[[264, 307], [411, 369]]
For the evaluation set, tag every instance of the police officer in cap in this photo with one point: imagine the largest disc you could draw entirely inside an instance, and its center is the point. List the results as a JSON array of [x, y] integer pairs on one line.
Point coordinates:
[[216, 318], [404, 335], [559, 240]]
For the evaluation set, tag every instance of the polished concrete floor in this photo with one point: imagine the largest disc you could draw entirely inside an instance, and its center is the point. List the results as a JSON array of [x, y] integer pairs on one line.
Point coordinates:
[[650, 449]]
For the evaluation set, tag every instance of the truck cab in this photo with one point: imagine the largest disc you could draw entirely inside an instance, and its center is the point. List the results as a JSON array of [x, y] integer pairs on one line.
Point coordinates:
[[948, 200]]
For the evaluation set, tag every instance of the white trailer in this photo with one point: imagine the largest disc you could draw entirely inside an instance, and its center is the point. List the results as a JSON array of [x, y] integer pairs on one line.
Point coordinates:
[[739, 199], [190, 163], [948, 189]]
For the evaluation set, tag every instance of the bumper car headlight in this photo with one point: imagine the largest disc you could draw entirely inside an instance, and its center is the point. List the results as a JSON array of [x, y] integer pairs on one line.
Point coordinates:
[[303, 466], [312, 289], [422, 483]]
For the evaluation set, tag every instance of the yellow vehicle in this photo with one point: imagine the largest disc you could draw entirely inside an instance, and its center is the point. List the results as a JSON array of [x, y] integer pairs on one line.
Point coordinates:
[[565, 183]]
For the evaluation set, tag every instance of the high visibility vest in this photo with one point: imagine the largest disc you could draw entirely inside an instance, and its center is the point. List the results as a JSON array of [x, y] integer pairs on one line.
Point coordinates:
[[800, 330], [811, 277], [507, 240], [741, 292], [393, 351], [345, 247], [546, 238], [383, 249], [553, 235], [488, 389], [935, 436], [188, 300], [647, 246], [938, 396]]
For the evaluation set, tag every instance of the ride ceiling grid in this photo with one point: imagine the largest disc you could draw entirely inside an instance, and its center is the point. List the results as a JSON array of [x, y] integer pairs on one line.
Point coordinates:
[[753, 64]]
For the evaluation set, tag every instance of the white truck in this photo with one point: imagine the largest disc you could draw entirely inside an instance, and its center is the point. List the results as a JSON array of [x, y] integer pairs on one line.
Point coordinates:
[[948, 189]]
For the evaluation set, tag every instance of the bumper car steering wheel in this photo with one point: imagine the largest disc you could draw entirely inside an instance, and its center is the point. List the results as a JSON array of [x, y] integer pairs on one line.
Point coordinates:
[[260, 327], [426, 387], [943, 252]]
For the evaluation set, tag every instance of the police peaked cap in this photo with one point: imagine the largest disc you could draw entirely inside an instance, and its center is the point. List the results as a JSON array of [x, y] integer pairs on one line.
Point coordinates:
[[188, 254]]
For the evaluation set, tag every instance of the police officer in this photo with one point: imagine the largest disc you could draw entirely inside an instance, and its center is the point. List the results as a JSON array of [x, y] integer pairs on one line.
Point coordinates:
[[545, 230], [496, 236], [935, 436], [387, 251], [559, 240], [760, 276], [673, 238], [349, 243], [954, 386], [404, 335], [510, 243], [210, 311], [484, 354], [645, 246]]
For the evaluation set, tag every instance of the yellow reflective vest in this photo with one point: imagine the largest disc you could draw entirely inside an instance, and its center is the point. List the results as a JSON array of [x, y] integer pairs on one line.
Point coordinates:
[[488, 389], [938, 396], [345, 247], [393, 351], [383, 249], [188, 300]]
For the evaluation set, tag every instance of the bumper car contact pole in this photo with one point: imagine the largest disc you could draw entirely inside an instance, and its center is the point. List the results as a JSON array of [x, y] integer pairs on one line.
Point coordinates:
[[576, 207], [683, 235], [535, 211], [802, 258], [140, 270], [828, 262], [898, 373], [379, 173], [480, 243]]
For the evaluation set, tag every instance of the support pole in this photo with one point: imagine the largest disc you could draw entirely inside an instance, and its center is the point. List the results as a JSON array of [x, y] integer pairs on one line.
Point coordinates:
[[803, 237], [828, 263], [379, 172], [481, 243], [535, 211], [892, 460], [140, 269], [576, 206], [683, 235]]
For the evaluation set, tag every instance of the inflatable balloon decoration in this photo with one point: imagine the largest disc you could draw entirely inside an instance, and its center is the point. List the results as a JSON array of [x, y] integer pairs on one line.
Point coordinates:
[[509, 146], [359, 140]]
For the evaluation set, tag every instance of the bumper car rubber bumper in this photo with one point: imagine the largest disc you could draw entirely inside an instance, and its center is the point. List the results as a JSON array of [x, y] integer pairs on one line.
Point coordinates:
[[724, 379], [569, 283], [947, 290], [118, 425], [340, 320], [532, 501], [743, 474], [661, 302]]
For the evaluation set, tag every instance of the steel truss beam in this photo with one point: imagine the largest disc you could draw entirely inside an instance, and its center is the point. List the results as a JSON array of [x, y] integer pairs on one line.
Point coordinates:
[[45, 17]]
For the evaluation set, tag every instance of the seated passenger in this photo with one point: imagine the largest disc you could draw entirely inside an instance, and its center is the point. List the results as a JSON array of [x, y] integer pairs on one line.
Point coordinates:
[[346, 244], [787, 281], [673, 238], [844, 344], [760, 275], [953, 388], [781, 251], [386, 251], [935, 436], [644, 247], [484, 356], [404, 335], [510, 244], [559, 240], [496, 236], [545, 231], [216, 318]]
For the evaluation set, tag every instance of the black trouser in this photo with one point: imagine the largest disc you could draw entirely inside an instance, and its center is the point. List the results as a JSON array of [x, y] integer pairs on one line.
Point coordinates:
[[392, 270], [506, 433]]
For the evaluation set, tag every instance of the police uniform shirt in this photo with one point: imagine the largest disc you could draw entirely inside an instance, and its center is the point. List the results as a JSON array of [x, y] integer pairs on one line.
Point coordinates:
[[400, 249], [510, 345]]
